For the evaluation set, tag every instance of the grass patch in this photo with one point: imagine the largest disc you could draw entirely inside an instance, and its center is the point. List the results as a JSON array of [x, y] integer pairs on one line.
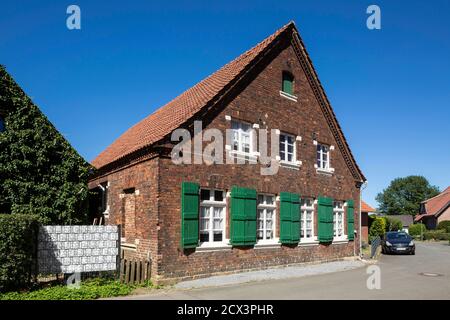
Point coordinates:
[[366, 251], [89, 289]]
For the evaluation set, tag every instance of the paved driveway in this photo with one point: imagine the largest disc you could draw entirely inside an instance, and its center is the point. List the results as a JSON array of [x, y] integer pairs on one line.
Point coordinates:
[[400, 279]]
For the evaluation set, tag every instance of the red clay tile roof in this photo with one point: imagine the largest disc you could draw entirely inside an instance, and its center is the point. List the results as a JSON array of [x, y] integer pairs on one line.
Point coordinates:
[[366, 208], [176, 112], [434, 206]]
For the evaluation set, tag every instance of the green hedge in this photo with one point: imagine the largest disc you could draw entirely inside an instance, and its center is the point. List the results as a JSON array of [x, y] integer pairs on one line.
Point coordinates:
[[393, 224], [416, 229], [436, 235], [377, 228], [18, 237], [444, 225]]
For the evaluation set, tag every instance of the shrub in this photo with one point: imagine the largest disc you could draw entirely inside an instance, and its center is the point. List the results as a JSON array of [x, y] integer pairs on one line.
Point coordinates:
[[377, 228], [444, 225], [416, 229], [436, 235], [18, 235], [90, 289], [393, 224]]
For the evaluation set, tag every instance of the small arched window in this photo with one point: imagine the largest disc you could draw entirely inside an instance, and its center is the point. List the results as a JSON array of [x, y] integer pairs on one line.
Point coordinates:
[[2, 124], [287, 85]]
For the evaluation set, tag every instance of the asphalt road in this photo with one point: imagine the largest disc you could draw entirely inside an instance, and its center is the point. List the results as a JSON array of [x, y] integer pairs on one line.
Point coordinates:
[[401, 278]]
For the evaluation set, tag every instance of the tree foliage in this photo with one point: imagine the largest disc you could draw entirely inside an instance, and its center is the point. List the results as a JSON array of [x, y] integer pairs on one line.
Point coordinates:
[[40, 172], [404, 195]]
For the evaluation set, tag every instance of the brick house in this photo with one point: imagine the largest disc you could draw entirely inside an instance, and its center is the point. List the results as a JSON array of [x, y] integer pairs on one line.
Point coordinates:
[[435, 210], [195, 220]]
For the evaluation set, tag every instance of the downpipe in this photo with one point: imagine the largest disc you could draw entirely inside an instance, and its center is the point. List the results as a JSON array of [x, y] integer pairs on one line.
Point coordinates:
[[363, 186]]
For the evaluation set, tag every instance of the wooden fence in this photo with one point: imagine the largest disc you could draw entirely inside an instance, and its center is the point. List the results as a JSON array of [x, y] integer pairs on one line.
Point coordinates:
[[134, 271]]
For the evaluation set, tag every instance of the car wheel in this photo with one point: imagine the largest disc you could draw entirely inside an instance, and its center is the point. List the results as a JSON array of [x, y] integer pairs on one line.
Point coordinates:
[[413, 253]]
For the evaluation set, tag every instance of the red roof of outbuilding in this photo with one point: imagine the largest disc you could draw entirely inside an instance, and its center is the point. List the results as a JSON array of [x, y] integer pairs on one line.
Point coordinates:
[[366, 208]]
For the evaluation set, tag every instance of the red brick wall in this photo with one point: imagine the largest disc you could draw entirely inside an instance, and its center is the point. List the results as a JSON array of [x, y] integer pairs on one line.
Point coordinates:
[[445, 216], [142, 201], [365, 226]]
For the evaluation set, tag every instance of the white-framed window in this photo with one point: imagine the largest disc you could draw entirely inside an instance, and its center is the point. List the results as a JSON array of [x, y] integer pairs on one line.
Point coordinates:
[[242, 136], [265, 228], [212, 216], [338, 219], [307, 219], [287, 148], [323, 157]]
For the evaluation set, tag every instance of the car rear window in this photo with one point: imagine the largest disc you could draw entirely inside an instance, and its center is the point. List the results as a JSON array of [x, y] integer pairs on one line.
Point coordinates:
[[398, 236]]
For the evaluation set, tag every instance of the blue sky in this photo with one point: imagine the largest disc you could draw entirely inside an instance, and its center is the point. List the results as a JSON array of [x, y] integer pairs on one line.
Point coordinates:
[[390, 88]]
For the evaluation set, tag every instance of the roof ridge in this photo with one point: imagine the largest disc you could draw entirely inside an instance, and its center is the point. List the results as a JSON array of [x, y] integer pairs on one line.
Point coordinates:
[[438, 195]]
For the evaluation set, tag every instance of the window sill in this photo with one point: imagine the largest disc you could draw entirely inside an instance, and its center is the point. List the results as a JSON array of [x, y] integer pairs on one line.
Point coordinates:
[[288, 96], [328, 172], [340, 240], [209, 247], [250, 157], [308, 243], [267, 244], [127, 246], [291, 165]]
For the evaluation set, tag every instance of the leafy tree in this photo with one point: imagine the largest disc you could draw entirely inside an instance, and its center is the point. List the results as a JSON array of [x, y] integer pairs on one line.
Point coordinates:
[[404, 195], [40, 173]]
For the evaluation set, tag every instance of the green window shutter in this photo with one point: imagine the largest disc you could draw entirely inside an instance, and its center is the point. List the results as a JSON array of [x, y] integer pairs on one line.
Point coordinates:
[[350, 219], [295, 218], [189, 214], [238, 217], [287, 85], [289, 218], [325, 218], [285, 218], [250, 214], [243, 216]]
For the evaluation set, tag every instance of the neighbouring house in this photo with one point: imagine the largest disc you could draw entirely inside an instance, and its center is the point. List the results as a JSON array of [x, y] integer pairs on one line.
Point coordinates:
[[434, 210], [406, 220], [365, 211], [196, 220]]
